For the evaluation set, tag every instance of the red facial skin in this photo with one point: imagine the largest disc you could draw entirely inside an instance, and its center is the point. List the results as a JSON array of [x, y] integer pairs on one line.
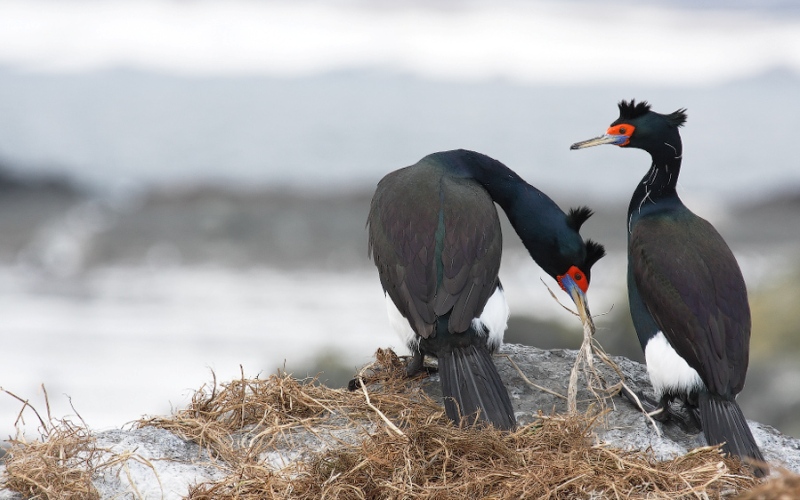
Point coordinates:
[[578, 276], [622, 129]]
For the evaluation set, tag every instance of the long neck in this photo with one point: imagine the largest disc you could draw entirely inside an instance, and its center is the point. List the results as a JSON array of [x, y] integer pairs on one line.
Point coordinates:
[[533, 215], [659, 183], [539, 222]]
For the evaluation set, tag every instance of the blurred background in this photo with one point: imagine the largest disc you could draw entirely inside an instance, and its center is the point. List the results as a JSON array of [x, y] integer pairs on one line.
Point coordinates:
[[184, 184]]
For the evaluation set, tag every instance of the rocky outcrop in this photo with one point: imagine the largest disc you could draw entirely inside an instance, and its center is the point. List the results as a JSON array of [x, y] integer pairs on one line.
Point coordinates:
[[155, 463], [625, 427]]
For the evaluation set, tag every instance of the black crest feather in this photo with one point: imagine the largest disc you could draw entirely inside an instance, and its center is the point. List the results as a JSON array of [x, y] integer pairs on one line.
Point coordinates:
[[577, 216], [677, 118], [594, 252], [629, 110]]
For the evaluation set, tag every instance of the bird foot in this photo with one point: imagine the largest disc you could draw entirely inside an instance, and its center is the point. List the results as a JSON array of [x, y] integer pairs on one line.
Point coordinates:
[[645, 404], [417, 364], [686, 417], [414, 367], [666, 411]]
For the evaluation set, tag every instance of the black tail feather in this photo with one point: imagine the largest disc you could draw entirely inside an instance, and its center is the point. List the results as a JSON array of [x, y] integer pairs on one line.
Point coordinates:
[[472, 386], [724, 422]]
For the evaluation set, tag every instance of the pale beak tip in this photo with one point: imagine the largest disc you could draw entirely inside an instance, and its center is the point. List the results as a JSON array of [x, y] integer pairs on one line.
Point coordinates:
[[577, 296]]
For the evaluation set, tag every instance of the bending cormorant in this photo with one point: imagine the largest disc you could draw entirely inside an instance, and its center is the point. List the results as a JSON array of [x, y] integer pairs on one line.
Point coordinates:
[[434, 234]]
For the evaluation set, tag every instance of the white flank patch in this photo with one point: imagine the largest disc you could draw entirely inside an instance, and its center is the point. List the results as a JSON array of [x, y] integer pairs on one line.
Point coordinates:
[[493, 320], [668, 371], [401, 326]]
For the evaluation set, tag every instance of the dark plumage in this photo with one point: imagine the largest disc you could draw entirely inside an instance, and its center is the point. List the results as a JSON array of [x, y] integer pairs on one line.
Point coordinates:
[[687, 295], [434, 235]]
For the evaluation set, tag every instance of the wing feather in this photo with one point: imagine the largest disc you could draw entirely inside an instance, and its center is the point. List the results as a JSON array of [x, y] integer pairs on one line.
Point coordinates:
[[471, 251], [436, 242], [692, 285]]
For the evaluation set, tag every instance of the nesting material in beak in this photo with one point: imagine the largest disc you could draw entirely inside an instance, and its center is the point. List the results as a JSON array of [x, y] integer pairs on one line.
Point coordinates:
[[579, 298]]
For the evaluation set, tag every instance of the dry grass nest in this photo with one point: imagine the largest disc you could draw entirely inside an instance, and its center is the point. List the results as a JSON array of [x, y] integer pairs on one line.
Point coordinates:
[[387, 439], [402, 445], [59, 466], [61, 463]]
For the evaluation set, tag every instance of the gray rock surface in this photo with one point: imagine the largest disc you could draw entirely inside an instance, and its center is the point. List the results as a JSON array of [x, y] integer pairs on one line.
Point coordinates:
[[626, 427], [164, 466], [160, 465]]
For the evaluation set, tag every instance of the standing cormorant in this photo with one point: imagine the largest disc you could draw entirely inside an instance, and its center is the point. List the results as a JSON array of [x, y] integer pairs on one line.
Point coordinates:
[[687, 295], [434, 235]]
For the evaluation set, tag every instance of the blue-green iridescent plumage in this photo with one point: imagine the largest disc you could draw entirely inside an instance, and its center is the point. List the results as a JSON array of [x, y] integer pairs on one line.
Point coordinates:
[[684, 281], [434, 235]]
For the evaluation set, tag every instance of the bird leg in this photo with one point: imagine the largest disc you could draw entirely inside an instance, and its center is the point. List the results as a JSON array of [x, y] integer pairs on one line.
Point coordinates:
[[415, 363], [682, 413], [680, 410], [645, 403], [414, 366]]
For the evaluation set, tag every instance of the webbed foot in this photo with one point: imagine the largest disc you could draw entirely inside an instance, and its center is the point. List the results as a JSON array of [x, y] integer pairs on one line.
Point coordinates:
[[686, 416]]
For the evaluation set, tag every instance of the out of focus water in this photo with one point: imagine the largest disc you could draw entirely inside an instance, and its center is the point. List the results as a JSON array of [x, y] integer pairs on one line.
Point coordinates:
[[207, 167], [128, 310], [321, 95], [127, 340], [121, 130], [124, 341]]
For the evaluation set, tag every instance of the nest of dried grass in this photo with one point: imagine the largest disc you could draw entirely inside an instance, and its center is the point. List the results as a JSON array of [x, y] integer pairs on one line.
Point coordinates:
[[61, 463], [387, 439], [784, 486], [246, 418], [403, 446], [59, 466]]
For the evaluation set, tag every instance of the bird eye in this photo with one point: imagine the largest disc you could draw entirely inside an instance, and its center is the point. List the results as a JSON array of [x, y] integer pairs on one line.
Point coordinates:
[[622, 130], [578, 276]]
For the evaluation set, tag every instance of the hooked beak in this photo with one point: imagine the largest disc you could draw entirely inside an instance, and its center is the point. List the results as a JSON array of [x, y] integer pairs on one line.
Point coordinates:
[[577, 296], [603, 139]]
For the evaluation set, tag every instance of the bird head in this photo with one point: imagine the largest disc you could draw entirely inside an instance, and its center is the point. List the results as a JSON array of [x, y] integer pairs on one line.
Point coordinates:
[[640, 127], [574, 271]]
